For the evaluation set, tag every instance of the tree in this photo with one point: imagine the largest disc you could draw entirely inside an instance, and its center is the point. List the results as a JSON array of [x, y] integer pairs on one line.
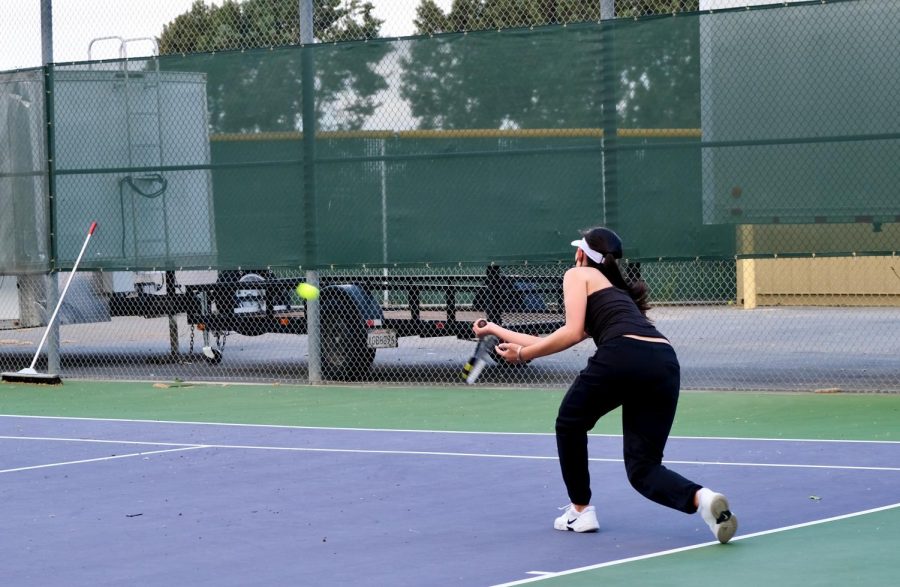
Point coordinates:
[[632, 8], [430, 19], [260, 90], [264, 23]]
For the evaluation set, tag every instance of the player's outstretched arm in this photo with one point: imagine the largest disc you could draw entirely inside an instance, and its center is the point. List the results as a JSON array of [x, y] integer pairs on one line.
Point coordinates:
[[482, 328], [568, 335]]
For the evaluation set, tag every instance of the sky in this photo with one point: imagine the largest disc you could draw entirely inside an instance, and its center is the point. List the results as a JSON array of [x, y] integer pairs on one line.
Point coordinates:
[[78, 22]]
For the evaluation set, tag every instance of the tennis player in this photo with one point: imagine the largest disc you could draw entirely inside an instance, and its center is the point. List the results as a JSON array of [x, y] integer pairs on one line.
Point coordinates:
[[634, 367]]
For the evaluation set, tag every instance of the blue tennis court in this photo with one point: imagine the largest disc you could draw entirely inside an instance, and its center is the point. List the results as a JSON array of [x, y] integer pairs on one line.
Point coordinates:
[[99, 501]]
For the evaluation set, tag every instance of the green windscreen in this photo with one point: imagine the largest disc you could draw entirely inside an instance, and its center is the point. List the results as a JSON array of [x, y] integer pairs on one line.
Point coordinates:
[[497, 146], [24, 205], [799, 114]]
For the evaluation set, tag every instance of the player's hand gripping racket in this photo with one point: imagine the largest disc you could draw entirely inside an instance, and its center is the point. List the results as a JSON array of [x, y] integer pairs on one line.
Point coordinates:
[[476, 364]]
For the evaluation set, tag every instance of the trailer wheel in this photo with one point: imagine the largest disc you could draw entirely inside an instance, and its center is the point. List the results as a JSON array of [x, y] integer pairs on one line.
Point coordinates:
[[345, 354], [212, 356]]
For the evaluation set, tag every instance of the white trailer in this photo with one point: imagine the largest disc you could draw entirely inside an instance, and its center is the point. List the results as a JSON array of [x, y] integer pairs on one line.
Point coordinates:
[[118, 129]]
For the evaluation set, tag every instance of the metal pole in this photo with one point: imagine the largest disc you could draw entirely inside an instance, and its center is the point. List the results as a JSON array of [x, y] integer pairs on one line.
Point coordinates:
[[384, 215], [307, 34], [308, 81], [46, 31], [53, 361], [607, 9], [610, 86], [173, 321]]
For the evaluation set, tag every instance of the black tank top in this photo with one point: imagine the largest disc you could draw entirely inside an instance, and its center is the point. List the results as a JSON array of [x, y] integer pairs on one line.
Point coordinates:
[[611, 312]]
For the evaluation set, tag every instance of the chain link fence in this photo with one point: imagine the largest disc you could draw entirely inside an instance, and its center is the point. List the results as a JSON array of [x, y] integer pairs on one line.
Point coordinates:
[[720, 344], [186, 26], [427, 182]]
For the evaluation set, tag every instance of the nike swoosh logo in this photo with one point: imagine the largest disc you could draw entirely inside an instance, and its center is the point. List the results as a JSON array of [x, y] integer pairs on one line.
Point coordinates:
[[572, 521]]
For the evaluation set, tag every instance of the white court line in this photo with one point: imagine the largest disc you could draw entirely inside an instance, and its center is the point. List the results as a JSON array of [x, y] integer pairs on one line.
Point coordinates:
[[101, 441], [109, 458], [420, 431], [443, 453], [542, 575], [788, 465]]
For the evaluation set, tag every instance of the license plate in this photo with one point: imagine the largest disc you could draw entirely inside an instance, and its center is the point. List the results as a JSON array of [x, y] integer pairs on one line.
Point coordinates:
[[382, 339]]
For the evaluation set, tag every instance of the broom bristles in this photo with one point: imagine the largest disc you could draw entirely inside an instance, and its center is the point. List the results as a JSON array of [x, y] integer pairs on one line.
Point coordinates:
[[29, 375]]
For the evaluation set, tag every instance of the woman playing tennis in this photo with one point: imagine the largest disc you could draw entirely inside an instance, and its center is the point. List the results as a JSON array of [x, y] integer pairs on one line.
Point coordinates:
[[634, 367]]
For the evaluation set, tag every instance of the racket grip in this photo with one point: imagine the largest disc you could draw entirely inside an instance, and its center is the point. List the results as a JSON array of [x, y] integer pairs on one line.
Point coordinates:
[[481, 323]]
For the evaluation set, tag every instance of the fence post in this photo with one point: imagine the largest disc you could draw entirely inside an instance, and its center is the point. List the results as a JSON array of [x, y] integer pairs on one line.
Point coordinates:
[[746, 268], [313, 316], [610, 85], [52, 278], [607, 9], [46, 31]]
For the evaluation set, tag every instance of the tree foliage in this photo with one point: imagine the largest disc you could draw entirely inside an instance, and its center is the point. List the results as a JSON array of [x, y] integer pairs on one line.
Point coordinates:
[[473, 15], [264, 23], [632, 8]]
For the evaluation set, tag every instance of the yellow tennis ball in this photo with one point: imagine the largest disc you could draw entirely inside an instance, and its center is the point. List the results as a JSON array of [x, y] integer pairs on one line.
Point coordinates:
[[307, 291]]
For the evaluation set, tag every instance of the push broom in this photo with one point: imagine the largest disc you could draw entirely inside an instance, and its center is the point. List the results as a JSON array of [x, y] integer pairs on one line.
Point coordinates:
[[29, 375]]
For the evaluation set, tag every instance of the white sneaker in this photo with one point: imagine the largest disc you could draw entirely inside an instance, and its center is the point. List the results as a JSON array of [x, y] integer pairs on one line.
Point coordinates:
[[715, 512], [583, 521]]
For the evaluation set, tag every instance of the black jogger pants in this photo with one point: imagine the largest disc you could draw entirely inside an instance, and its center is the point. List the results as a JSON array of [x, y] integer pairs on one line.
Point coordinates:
[[644, 378]]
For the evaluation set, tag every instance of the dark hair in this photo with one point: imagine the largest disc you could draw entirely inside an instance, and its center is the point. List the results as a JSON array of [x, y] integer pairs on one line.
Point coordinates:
[[608, 243]]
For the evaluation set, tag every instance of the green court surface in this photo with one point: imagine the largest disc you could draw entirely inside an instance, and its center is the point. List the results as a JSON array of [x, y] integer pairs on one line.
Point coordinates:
[[725, 414], [852, 550], [855, 551]]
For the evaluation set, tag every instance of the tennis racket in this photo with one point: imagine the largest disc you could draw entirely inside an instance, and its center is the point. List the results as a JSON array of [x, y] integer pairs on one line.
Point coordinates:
[[471, 371]]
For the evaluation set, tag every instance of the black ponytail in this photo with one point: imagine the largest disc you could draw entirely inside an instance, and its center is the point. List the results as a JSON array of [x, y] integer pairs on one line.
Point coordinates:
[[636, 288], [607, 242]]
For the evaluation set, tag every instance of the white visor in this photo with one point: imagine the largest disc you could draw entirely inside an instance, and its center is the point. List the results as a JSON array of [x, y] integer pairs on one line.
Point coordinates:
[[591, 253]]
